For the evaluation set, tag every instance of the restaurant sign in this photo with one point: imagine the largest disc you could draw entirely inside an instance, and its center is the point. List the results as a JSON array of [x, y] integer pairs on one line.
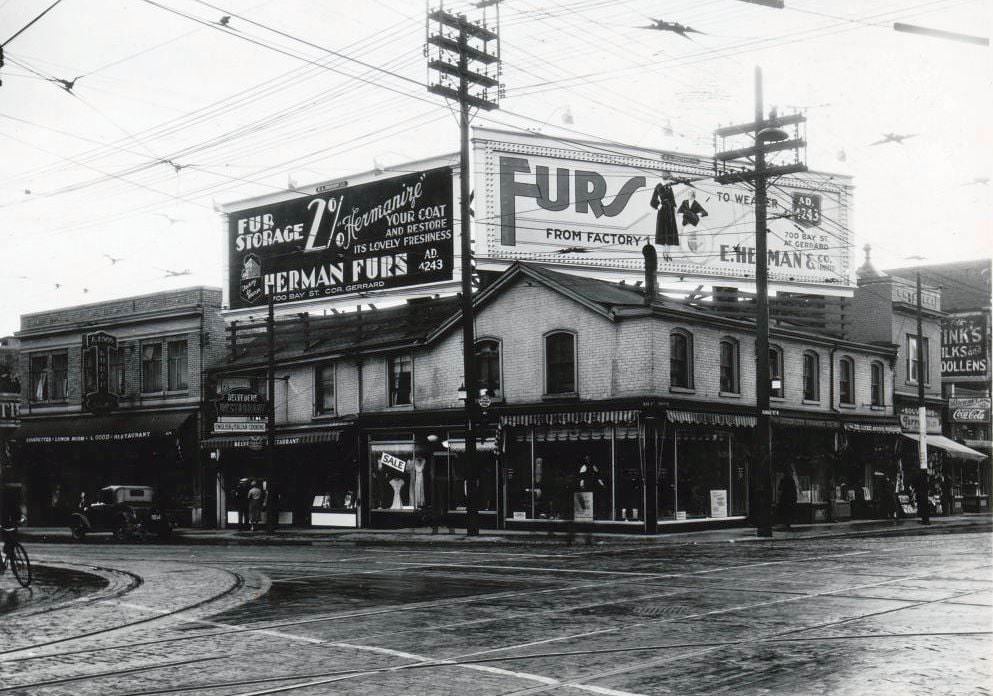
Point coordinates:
[[99, 396], [972, 410], [964, 347], [388, 233]]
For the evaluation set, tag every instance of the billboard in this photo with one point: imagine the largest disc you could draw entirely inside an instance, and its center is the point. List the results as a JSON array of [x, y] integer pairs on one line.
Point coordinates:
[[595, 206], [384, 234], [964, 348]]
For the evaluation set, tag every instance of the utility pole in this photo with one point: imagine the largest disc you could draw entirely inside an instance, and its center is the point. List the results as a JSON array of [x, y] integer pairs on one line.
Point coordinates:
[[272, 504], [921, 378], [768, 137], [468, 78]]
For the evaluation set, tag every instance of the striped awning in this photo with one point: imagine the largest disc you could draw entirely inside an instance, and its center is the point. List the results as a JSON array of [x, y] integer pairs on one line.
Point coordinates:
[[884, 428], [570, 418], [792, 422], [727, 420], [282, 439]]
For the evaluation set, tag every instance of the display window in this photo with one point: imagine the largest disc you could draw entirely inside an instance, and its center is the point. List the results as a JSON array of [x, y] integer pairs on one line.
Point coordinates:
[[703, 473], [397, 473]]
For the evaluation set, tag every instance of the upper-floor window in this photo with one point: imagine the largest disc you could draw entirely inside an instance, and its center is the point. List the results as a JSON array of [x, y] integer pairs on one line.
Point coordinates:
[[560, 363], [730, 380], [151, 367], [846, 381], [681, 359], [811, 376], [913, 367], [401, 379], [49, 376], [488, 365], [776, 372], [324, 404], [877, 398], [118, 371], [178, 366]]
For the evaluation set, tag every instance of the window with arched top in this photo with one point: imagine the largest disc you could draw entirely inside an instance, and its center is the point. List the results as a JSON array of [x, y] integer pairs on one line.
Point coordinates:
[[730, 373], [846, 381], [488, 365], [878, 373], [681, 359], [811, 376], [776, 387], [560, 363]]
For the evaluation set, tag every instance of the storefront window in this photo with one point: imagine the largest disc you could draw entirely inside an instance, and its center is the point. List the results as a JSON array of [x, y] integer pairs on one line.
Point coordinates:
[[449, 466], [401, 380], [178, 366], [729, 366], [324, 390], [776, 372], [703, 473], [846, 386], [560, 363], [151, 367], [488, 364], [877, 384], [628, 476], [681, 359], [397, 480], [811, 377]]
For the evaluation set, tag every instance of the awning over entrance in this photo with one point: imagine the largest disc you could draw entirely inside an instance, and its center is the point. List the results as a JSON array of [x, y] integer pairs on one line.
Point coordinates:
[[282, 439], [570, 418], [116, 427], [950, 446], [727, 420]]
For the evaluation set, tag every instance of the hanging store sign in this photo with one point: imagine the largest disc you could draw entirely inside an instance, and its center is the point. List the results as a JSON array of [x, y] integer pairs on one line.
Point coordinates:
[[99, 394], [595, 207], [241, 401], [974, 410], [384, 234], [964, 346]]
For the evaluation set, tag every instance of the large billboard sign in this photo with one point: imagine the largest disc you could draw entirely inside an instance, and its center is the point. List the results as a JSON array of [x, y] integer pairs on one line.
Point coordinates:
[[595, 206], [964, 348], [388, 233]]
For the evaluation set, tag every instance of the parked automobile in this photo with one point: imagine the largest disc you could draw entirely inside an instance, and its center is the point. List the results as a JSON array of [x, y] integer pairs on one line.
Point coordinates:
[[124, 511]]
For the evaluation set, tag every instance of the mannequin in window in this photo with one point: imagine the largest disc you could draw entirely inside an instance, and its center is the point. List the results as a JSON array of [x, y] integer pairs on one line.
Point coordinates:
[[396, 484], [588, 480], [664, 203], [417, 483]]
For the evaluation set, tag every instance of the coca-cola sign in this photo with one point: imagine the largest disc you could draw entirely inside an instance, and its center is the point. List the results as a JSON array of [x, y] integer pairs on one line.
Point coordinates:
[[974, 410]]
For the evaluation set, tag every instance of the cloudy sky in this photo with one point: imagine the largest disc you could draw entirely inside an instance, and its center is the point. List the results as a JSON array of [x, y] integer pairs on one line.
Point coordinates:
[[111, 187]]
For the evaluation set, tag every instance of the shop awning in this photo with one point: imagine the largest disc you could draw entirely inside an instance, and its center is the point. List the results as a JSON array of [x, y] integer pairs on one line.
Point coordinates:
[[792, 422], [282, 439], [115, 427], [727, 420], [950, 446], [884, 428], [570, 418]]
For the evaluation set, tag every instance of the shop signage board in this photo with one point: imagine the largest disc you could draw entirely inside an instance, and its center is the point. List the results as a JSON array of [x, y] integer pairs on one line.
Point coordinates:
[[718, 503], [241, 402], [394, 462], [594, 207], [964, 346], [582, 506], [909, 420], [905, 291], [240, 427], [389, 233], [973, 410]]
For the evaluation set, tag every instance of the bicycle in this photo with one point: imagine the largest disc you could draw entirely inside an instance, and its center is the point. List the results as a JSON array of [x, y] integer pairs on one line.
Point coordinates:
[[14, 555]]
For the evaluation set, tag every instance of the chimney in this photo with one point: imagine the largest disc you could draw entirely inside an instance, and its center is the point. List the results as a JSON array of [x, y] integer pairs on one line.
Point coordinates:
[[651, 268]]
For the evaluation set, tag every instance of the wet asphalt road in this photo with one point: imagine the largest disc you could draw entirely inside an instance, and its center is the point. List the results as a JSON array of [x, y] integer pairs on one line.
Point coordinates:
[[904, 615]]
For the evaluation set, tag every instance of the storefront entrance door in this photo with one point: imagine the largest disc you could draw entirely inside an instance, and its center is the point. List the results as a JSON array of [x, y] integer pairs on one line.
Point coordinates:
[[440, 498]]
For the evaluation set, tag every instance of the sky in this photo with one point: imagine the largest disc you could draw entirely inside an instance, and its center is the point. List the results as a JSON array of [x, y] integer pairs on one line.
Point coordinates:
[[111, 188]]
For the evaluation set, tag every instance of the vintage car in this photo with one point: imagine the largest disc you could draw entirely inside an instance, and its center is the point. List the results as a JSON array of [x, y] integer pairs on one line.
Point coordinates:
[[124, 511]]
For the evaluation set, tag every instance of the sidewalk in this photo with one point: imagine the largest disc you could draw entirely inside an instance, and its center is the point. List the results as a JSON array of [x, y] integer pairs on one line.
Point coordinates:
[[422, 535]]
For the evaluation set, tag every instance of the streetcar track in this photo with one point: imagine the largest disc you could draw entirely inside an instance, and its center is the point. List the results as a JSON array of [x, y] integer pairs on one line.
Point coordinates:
[[134, 582]]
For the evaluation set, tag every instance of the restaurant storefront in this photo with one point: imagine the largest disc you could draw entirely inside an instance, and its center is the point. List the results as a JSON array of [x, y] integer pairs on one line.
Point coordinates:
[[66, 456]]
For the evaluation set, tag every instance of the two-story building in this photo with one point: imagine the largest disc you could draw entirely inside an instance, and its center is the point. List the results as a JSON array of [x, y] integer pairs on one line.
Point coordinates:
[[11, 497], [111, 394], [581, 378]]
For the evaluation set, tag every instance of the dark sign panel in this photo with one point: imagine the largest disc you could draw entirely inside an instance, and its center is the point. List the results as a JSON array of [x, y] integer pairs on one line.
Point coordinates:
[[964, 350], [807, 209], [970, 410], [96, 372], [383, 234]]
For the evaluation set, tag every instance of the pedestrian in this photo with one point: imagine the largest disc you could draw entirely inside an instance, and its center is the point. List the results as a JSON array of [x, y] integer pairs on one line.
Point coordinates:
[[241, 500], [921, 493], [254, 505], [787, 497]]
